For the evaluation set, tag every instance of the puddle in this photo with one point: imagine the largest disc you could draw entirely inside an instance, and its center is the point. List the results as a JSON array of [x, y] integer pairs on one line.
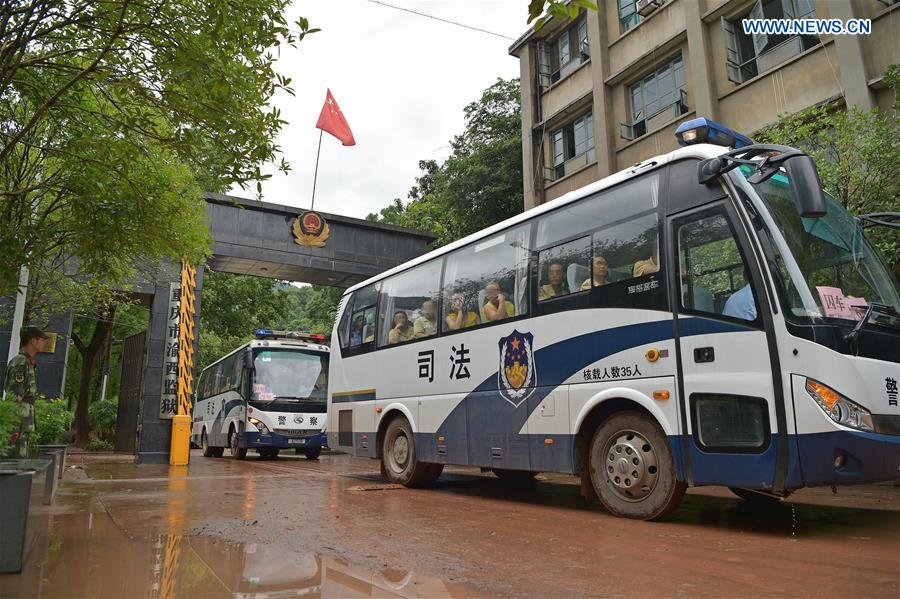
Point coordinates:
[[384, 487], [87, 555]]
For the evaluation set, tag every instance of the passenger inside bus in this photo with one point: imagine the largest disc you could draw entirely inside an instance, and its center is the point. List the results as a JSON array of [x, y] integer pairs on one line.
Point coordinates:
[[600, 275], [356, 330], [401, 331], [369, 331], [651, 264], [497, 307], [425, 325], [459, 317], [557, 285], [740, 304]]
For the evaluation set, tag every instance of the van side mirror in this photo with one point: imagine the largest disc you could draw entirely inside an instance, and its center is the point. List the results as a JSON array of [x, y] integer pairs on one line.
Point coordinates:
[[809, 200], [248, 360]]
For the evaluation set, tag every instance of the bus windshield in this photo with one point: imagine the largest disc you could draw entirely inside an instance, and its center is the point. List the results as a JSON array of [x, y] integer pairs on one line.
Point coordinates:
[[288, 375], [840, 272]]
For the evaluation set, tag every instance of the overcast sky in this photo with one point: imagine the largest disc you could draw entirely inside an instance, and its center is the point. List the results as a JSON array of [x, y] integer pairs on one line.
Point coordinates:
[[401, 80]]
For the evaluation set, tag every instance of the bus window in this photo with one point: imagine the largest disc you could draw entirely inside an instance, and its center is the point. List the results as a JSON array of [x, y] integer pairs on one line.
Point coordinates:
[[630, 248], [619, 203], [713, 273], [489, 278], [362, 316], [564, 269], [409, 304]]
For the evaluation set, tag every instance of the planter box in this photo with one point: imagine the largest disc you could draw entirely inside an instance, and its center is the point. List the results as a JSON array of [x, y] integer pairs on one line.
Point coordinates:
[[61, 447], [22, 484], [53, 475]]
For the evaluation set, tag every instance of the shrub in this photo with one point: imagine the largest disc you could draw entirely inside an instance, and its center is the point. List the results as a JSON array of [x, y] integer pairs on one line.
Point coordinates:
[[98, 444], [52, 420], [9, 423], [102, 415]]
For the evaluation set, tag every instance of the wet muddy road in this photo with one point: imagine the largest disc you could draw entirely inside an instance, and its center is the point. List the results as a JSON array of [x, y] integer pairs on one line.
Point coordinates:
[[331, 528]]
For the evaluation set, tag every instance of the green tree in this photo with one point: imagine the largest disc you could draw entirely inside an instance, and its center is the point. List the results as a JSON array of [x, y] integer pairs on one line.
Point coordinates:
[[480, 183], [857, 153], [113, 115], [314, 309], [540, 11], [233, 307]]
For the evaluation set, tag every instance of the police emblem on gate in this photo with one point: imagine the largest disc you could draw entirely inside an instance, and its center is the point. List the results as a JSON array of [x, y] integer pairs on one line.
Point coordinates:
[[310, 229], [517, 374]]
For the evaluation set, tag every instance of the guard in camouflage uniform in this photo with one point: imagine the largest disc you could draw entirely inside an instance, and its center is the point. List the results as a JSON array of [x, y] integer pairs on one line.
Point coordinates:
[[21, 383]]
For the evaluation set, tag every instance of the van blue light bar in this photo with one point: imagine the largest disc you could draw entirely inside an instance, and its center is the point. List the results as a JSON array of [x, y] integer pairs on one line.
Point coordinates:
[[705, 131], [301, 335]]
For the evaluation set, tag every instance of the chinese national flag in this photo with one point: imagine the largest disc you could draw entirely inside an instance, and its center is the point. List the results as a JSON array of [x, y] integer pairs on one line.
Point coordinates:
[[331, 120]]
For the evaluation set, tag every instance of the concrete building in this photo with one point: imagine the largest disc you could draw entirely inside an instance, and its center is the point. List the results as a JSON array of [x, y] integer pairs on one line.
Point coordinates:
[[608, 89]]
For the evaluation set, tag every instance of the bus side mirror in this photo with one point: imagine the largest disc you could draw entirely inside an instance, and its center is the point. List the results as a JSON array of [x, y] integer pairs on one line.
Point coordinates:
[[806, 186], [248, 360]]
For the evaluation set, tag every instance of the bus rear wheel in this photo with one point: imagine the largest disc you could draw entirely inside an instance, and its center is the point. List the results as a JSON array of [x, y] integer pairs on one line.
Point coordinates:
[[237, 452], [632, 469], [398, 457]]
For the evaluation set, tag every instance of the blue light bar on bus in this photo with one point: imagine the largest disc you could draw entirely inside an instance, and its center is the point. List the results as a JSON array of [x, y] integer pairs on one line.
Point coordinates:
[[705, 131], [301, 335]]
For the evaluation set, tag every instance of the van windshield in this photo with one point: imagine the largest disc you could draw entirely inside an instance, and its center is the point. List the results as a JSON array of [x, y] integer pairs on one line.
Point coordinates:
[[840, 272], [288, 376]]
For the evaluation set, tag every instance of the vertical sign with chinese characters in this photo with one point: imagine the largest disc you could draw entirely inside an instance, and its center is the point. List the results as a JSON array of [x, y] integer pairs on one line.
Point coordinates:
[[168, 401]]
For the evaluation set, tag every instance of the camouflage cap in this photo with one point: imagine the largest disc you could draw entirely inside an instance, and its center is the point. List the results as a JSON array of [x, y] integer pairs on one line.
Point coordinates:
[[29, 333]]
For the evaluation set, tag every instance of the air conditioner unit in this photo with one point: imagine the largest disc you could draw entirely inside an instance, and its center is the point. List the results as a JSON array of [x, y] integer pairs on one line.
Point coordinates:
[[645, 7]]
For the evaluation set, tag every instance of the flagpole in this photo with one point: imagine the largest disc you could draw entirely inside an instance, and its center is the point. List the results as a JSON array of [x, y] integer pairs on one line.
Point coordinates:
[[316, 174]]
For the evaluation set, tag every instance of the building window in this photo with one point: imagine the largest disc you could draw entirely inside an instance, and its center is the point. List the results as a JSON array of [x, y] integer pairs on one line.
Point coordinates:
[[572, 146], [563, 55], [657, 98], [748, 55], [632, 12]]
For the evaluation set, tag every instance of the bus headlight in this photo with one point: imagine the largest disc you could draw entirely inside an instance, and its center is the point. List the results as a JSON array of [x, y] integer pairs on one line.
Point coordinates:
[[263, 429], [839, 408]]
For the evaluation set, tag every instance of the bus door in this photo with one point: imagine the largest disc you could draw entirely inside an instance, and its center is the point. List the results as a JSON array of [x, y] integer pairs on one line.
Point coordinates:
[[727, 399]]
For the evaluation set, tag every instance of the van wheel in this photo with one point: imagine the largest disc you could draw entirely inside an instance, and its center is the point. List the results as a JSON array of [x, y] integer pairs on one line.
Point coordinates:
[[398, 457], [238, 453], [204, 443], [632, 469], [312, 454]]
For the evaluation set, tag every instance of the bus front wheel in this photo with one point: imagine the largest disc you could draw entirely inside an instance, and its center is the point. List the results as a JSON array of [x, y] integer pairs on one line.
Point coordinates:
[[237, 452], [632, 469], [398, 457]]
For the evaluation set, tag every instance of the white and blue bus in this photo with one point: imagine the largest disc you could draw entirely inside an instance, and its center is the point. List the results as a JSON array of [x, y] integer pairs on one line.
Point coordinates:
[[706, 317], [269, 394]]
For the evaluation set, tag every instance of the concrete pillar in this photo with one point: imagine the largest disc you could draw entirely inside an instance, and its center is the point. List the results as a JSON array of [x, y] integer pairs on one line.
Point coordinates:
[[702, 96], [155, 433], [851, 61], [604, 119], [527, 74]]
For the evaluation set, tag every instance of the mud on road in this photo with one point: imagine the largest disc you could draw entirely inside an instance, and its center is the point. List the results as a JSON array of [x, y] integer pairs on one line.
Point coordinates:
[[331, 527]]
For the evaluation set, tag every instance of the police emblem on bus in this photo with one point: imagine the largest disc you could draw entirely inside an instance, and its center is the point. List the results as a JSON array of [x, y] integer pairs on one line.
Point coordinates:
[[517, 374]]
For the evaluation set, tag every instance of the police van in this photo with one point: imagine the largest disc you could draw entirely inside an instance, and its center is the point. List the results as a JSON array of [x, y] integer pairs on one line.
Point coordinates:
[[710, 316], [269, 394]]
